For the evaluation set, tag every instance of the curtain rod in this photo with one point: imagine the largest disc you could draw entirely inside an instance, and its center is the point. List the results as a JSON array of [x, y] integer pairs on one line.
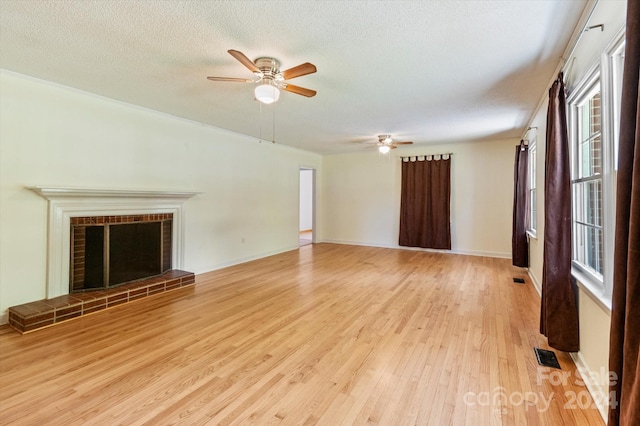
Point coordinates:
[[450, 154], [585, 28], [561, 67]]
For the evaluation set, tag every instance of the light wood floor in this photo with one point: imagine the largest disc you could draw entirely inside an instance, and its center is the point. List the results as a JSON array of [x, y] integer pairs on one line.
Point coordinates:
[[305, 238], [328, 334]]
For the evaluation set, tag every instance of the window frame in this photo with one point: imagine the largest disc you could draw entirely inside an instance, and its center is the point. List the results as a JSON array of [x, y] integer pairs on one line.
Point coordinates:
[[532, 200], [608, 74], [579, 99]]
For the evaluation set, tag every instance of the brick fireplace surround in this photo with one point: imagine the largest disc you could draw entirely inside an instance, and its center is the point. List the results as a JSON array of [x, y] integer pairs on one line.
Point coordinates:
[[64, 204]]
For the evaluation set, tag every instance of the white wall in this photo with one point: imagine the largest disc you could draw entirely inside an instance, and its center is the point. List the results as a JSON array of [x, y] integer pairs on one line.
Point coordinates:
[[594, 317], [55, 136], [362, 196], [306, 199]]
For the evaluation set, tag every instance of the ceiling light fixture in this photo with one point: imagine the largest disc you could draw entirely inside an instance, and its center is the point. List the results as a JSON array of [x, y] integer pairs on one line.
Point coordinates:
[[267, 93], [384, 149]]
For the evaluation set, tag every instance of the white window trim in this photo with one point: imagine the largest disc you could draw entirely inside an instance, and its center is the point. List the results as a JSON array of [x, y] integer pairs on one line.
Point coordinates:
[[584, 90], [614, 49], [610, 111], [532, 231], [603, 73]]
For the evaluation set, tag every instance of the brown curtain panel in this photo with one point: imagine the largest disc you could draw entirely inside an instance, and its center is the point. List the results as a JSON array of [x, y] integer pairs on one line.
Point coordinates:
[[624, 359], [559, 312], [425, 204], [519, 243]]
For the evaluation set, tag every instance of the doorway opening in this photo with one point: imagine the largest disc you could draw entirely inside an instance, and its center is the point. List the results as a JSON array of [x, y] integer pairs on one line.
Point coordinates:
[[306, 221]]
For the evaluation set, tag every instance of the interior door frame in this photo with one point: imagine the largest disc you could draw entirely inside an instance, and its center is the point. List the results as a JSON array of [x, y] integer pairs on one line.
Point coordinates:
[[313, 200]]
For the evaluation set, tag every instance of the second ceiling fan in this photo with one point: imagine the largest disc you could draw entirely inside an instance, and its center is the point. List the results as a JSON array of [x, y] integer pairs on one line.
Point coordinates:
[[270, 78], [386, 144]]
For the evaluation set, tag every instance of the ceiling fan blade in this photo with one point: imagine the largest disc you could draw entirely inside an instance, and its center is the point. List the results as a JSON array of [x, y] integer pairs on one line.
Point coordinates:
[[402, 143], [300, 90], [238, 80], [242, 58], [300, 70]]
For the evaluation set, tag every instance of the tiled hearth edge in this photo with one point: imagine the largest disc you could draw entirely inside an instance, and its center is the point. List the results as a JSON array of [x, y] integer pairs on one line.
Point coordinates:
[[45, 313]]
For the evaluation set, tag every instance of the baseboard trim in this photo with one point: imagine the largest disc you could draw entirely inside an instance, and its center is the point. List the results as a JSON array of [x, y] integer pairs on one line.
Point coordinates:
[[599, 395], [245, 259], [500, 255], [536, 283]]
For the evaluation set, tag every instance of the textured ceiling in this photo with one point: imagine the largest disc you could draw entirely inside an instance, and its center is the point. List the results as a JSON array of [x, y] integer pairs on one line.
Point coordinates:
[[427, 71]]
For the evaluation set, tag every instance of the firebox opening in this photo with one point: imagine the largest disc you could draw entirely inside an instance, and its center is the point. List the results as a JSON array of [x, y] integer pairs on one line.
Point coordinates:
[[134, 252], [112, 250]]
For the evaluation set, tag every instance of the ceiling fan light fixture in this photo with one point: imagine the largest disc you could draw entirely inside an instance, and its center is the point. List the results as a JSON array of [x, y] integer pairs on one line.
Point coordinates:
[[384, 149], [267, 93]]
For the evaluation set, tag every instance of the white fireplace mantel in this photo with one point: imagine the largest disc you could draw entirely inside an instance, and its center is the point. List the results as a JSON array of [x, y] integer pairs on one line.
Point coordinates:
[[65, 203]]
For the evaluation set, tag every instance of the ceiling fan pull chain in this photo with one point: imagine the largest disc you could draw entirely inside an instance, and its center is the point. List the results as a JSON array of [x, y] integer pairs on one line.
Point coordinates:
[[273, 130], [260, 120]]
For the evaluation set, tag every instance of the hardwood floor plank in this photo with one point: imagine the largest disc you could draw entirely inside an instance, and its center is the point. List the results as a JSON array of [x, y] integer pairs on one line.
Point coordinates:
[[328, 334]]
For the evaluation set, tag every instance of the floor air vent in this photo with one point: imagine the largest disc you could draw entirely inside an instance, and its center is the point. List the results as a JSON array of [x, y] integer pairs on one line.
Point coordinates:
[[518, 280], [547, 358]]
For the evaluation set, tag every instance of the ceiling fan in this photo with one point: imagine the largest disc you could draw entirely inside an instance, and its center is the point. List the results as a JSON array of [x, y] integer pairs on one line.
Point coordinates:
[[270, 78], [386, 144]]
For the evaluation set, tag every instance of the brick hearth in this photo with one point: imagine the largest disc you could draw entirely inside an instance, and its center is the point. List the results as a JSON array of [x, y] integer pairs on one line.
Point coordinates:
[[44, 313]]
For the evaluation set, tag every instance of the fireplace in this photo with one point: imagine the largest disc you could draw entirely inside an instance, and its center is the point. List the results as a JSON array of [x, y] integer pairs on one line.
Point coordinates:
[[107, 251], [100, 239], [66, 205]]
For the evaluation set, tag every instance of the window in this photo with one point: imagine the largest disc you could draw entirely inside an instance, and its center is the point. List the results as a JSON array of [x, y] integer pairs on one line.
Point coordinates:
[[587, 184], [533, 210], [594, 115]]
